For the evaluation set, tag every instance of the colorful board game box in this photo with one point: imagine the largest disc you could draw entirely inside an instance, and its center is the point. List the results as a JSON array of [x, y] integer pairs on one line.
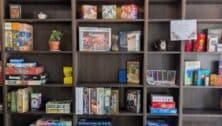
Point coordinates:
[[109, 11]]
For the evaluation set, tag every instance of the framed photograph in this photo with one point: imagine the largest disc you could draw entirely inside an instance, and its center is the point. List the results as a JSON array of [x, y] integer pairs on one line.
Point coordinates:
[[94, 39], [15, 11]]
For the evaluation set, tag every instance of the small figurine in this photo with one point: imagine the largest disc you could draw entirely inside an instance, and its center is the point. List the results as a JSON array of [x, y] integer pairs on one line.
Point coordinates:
[[160, 45], [42, 15]]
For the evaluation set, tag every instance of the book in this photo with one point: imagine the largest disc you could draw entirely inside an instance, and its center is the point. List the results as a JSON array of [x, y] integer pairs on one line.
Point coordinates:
[[25, 38], [8, 36], [26, 77], [115, 101], [168, 105], [25, 82], [79, 100], [161, 98], [133, 100], [93, 101], [133, 40], [86, 99], [220, 67], [16, 60], [107, 100], [199, 76], [162, 111], [133, 72], [15, 34], [23, 100], [30, 64], [63, 106], [13, 103], [36, 101], [100, 101], [24, 71], [190, 67]]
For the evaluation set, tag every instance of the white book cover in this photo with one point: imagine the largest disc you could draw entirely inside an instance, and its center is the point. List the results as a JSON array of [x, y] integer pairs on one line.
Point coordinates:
[[79, 100]]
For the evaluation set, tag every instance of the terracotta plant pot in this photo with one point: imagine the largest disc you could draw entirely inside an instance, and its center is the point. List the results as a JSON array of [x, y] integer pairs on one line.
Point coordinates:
[[54, 45]]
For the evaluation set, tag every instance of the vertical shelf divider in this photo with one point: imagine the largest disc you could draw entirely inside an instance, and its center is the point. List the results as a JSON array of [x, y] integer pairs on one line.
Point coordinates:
[[146, 31], [183, 15]]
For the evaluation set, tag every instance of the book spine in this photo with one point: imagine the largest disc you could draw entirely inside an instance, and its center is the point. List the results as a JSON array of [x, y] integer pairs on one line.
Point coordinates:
[[162, 111], [86, 101], [93, 101], [100, 101], [107, 98], [79, 101], [138, 101], [8, 36], [25, 77], [24, 71], [13, 101], [115, 101], [161, 98], [23, 65], [168, 105], [14, 60]]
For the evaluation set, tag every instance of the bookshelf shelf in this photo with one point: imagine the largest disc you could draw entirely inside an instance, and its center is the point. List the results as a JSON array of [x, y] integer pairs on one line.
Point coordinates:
[[163, 86], [65, 20], [44, 86], [202, 113], [203, 53], [109, 21], [164, 52], [118, 114], [202, 87], [114, 85], [41, 52], [39, 113], [111, 53]]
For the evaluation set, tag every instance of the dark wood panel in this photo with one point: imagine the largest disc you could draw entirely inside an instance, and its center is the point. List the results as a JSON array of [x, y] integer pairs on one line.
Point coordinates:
[[204, 11], [201, 98], [42, 31], [202, 121], [164, 11], [103, 68]]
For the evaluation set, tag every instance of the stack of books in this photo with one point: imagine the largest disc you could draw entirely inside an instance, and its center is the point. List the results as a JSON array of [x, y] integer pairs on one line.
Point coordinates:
[[52, 122], [18, 101], [97, 101], [94, 122], [162, 104], [18, 72]]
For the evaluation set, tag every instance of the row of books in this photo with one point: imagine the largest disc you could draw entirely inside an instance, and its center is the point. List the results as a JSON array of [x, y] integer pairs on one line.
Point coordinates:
[[52, 122], [97, 100], [162, 104], [18, 101], [94, 122], [105, 101], [18, 71], [18, 36], [197, 76]]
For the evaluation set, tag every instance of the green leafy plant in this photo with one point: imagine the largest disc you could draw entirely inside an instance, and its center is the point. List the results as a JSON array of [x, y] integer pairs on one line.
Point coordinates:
[[55, 36]]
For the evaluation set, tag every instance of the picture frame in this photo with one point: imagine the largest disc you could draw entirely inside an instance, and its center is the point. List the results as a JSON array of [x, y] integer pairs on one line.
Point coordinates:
[[94, 39], [15, 11]]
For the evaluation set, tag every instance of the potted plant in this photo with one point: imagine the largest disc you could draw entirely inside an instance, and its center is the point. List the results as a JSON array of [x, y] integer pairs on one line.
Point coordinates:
[[54, 40]]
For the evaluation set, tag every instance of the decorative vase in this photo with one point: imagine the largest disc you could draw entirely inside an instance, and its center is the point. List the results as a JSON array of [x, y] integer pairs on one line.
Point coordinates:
[[54, 46], [115, 46]]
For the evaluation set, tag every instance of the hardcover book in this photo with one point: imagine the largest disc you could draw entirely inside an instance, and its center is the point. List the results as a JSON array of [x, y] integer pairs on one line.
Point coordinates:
[[93, 101], [79, 101], [115, 101], [133, 100], [133, 72], [190, 67], [86, 99], [107, 101]]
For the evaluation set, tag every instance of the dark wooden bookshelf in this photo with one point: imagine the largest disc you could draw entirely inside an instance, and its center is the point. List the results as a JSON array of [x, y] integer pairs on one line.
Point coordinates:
[[196, 105]]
